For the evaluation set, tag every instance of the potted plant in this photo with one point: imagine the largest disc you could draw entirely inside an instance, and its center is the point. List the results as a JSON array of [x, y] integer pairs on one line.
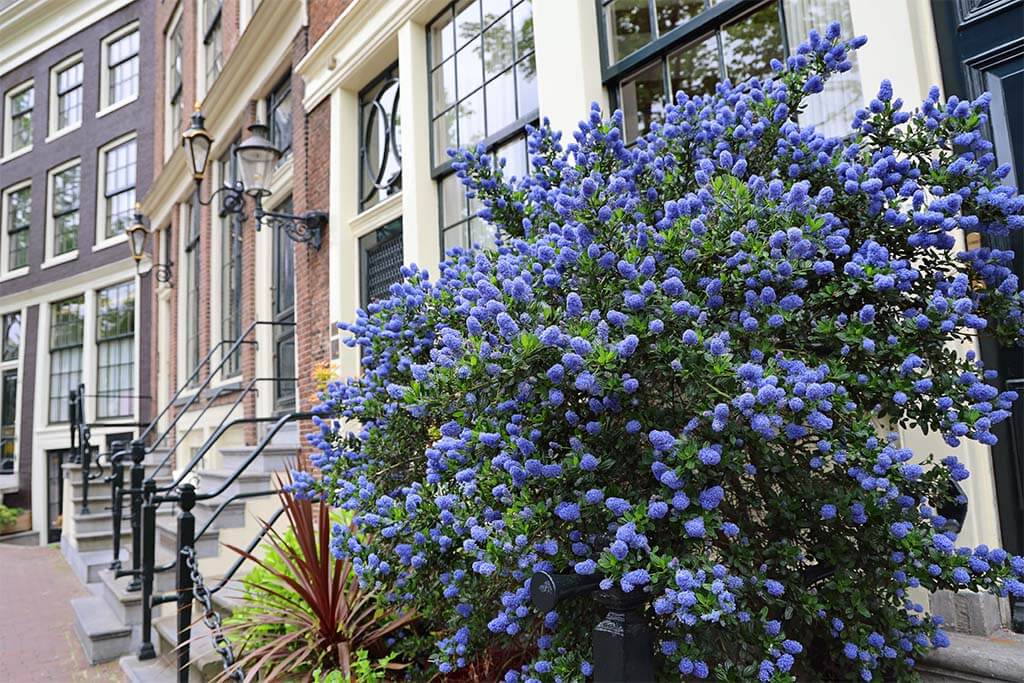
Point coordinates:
[[14, 520], [671, 373]]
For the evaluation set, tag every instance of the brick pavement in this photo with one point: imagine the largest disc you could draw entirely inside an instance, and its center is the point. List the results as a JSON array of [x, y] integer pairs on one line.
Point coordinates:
[[37, 639]]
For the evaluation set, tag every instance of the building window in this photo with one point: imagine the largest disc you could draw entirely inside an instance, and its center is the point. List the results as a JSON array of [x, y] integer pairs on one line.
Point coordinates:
[[19, 106], [174, 48], [66, 326], [65, 194], [380, 136], [230, 269], [483, 75], [115, 350], [18, 220], [11, 344], [121, 67], [284, 315], [380, 254], [213, 48], [192, 288], [118, 187], [653, 49], [460, 226], [279, 113], [67, 93]]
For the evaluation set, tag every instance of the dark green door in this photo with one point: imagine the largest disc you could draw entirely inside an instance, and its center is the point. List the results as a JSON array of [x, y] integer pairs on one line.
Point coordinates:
[[982, 49]]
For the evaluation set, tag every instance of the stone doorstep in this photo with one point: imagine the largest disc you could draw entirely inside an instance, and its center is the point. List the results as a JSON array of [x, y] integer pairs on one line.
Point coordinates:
[[247, 482], [160, 670], [102, 636], [101, 540], [203, 659], [126, 605], [167, 539], [87, 565], [231, 517], [998, 657], [271, 459]]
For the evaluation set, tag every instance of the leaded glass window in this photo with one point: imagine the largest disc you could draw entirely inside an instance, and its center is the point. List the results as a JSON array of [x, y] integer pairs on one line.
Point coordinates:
[[115, 350], [66, 328], [21, 104], [380, 153], [66, 194]]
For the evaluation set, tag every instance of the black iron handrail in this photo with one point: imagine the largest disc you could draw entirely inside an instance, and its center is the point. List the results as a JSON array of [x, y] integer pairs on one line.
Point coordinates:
[[238, 400]]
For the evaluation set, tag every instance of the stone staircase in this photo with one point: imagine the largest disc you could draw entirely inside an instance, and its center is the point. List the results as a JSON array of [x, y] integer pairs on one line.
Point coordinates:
[[109, 621]]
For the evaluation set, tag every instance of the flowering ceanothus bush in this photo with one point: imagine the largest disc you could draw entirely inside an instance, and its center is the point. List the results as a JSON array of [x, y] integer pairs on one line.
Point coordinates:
[[676, 371]]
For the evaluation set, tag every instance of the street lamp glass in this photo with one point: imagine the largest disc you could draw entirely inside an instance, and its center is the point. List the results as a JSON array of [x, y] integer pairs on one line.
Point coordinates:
[[197, 143], [138, 234], [257, 159]]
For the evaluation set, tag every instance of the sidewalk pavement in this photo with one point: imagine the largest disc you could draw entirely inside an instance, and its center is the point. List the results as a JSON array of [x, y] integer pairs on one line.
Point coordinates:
[[37, 638]]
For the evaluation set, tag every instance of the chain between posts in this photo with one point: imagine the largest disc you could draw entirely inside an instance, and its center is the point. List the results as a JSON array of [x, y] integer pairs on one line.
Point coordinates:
[[211, 617]]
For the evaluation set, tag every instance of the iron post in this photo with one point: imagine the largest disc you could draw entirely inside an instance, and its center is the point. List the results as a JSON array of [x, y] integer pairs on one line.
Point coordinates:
[[186, 539], [116, 506], [138, 454], [85, 457], [146, 650]]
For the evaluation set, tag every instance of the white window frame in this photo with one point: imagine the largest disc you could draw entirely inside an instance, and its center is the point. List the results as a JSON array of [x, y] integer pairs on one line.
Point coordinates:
[[9, 482], [106, 106], [171, 136], [102, 242], [49, 260], [6, 273], [8, 121], [53, 117]]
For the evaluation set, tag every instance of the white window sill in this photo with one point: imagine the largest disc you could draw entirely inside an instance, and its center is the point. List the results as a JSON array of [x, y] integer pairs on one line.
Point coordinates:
[[57, 134], [110, 108], [109, 242], [58, 260], [14, 155], [14, 274], [377, 215]]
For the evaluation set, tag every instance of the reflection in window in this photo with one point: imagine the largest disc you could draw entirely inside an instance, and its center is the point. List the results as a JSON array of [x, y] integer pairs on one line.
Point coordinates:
[[737, 48], [21, 106], [19, 220], [65, 193], [483, 72], [66, 326], [69, 96], [11, 342], [115, 350], [380, 137], [119, 188], [279, 112]]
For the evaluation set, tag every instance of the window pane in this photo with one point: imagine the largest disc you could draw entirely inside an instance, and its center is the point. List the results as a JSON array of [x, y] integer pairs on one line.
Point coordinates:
[[643, 97], [12, 336], [468, 68], [514, 154], [66, 326], [455, 237], [443, 86], [501, 102], [526, 85], [17, 249], [8, 428], [119, 187], [672, 13], [281, 118], [467, 21], [445, 135], [628, 23], [442, 38], [492, 9], [750, 44], [694, 70], [471, 119], [498, 52], [522, 21], [453, 200]]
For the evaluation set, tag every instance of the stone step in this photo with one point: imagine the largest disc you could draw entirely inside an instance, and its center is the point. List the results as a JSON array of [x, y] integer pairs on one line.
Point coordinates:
[[204, 661], [88, 565], [126, 605], [231, 517], [271, 459], [163, 669], [102, 635], [167, 539], [104, 520], [246, 482], [101, 540]]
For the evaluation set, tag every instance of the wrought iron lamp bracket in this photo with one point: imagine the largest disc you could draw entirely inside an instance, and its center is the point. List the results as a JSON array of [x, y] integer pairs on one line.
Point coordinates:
[[307, 228]]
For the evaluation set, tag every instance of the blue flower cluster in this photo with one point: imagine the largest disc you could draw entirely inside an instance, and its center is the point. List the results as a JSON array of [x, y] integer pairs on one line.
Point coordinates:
[[671, 373]]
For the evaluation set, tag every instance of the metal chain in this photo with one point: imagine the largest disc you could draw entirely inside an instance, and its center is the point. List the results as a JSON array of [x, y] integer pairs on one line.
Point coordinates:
[[211, 618]]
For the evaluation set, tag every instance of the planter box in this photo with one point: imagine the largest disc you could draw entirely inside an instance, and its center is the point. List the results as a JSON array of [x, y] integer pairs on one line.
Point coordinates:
[[23, 523]]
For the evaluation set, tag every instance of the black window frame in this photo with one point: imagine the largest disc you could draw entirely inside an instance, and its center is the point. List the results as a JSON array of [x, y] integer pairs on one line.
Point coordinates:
[[370, 196], [16, 230], [501, 136]]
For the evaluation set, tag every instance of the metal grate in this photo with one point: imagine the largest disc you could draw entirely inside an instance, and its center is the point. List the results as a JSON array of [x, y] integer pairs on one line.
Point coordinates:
[[383, 266]]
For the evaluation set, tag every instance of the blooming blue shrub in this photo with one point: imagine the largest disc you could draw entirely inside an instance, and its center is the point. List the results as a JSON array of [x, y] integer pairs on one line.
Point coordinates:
[[677, 372]]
